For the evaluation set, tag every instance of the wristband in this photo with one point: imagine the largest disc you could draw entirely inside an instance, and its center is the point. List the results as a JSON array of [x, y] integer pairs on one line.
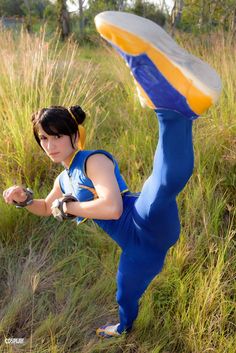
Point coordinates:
[[57, 208], [28, 201]]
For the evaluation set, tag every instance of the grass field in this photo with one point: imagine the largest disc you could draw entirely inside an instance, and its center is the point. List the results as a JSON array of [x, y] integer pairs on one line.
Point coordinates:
[[57, 281]]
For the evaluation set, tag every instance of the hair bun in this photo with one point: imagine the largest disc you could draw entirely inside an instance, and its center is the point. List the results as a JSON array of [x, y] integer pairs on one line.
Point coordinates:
[[78, 113]]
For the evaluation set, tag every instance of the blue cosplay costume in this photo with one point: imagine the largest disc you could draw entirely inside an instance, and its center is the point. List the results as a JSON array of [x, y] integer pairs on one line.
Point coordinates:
[[179, 87], [149, 224]]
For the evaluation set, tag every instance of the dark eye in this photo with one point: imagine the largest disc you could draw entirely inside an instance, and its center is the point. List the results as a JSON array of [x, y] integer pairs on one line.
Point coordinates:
[[42, 138], [58, 136]]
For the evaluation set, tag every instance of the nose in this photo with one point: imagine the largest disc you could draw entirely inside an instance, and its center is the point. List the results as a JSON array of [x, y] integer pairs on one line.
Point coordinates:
[[50, 145]]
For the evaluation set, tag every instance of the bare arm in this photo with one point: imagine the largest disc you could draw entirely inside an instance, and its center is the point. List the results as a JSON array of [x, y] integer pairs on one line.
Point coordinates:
[[39, 207], [108, 205]]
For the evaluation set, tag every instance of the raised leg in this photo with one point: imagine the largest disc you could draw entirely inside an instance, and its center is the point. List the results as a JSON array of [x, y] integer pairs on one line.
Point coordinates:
[[156, 208]]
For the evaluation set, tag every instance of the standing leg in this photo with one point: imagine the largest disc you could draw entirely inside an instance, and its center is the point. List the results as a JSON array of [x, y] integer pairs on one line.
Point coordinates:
[[133, 277]]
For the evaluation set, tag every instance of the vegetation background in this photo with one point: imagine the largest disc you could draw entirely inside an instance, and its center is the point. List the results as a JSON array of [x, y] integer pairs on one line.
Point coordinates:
[[57, 281]]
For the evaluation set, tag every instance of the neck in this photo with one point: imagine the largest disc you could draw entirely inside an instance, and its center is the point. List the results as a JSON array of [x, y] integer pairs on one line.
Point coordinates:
[[67, 162]]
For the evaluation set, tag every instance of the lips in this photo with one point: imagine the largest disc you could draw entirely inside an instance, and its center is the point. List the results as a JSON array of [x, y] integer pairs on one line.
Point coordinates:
[[53, 154]]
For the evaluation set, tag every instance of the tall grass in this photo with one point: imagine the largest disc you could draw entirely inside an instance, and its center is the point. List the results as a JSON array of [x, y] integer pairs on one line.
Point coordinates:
[[58, 281]]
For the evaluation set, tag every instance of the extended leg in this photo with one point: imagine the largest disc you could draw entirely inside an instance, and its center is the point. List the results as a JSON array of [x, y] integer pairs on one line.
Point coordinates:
[[156, 207], [179, 87]]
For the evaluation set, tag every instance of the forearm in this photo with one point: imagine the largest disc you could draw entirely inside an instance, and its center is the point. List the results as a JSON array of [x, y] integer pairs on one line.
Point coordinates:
[[96, 209], [39, 208]]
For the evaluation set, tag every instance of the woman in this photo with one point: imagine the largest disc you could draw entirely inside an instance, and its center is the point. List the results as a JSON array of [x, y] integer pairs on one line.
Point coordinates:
[[179, 87]]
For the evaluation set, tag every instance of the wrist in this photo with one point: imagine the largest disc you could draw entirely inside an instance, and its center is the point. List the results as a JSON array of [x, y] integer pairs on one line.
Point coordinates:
[[29, 197], [68, 207]]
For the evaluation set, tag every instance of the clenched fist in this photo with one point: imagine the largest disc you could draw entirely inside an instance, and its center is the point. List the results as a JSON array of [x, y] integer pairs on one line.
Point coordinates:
[[14, 194], [18, 196]]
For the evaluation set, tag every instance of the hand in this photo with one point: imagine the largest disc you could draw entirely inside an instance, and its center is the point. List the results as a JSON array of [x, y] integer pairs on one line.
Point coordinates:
[[56, 210], [59, 209], [14, 193]]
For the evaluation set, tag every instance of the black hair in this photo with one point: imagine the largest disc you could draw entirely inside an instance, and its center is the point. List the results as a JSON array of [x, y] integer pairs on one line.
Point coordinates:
[[57, 120]]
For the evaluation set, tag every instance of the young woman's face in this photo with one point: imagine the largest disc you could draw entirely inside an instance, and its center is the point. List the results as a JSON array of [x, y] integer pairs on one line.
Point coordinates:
[[57, 147]]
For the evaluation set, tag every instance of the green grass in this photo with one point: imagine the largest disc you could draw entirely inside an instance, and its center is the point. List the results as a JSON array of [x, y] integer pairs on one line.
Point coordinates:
[[58, 280]]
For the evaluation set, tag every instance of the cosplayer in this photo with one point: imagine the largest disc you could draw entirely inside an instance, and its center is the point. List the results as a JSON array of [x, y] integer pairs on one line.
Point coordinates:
[[178, 87]]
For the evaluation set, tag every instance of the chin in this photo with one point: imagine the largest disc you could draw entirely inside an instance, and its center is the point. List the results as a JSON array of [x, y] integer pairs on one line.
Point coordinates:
[[55, 160]]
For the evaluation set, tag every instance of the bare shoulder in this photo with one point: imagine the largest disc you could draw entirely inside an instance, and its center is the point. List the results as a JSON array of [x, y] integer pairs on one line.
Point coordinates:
[[98, 163]]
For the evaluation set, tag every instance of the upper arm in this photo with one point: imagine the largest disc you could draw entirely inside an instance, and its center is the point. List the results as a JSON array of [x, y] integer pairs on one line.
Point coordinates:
[[100, 169], [54, 194]]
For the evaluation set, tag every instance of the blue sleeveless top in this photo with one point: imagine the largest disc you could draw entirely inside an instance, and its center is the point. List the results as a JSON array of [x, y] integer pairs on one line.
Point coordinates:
[[75, 180]]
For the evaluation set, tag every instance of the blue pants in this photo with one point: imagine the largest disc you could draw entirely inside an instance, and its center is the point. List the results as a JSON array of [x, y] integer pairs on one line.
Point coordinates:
[[150, 223]]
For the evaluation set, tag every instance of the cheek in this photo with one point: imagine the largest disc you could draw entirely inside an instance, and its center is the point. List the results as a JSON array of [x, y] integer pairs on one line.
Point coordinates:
[[67, 144], [43, 145]]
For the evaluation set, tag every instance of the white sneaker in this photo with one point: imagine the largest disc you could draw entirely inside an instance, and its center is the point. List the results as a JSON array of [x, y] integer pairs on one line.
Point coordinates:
[[167, 75], [108, 331]]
